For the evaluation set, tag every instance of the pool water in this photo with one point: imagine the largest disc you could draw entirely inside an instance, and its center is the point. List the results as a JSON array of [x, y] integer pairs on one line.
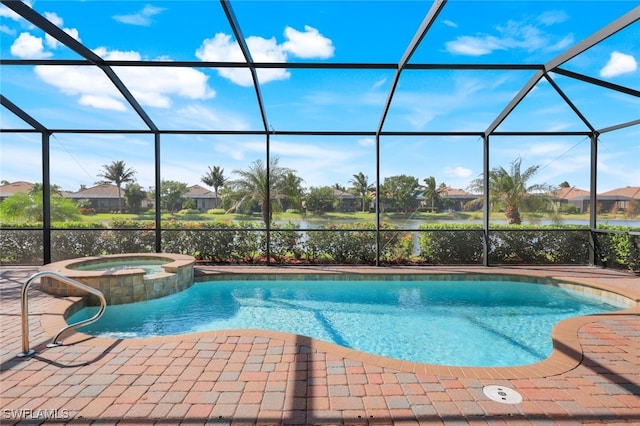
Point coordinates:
[[150, 266], [462, 323]]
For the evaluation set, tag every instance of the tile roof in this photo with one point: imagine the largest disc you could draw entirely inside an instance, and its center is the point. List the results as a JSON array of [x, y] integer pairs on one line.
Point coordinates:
[[18, 187], [630, 192], [104, 190], [570, 193]]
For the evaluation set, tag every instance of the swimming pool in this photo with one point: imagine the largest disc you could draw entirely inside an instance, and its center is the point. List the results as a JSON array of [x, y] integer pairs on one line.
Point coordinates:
[[484, 322]]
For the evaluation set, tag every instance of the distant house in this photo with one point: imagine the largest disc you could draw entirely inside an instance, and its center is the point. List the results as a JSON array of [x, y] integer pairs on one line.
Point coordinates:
[[458, 197], [572, 196], [348, 202], [102, 198], [203, 198], [19, 187], [619, 198]]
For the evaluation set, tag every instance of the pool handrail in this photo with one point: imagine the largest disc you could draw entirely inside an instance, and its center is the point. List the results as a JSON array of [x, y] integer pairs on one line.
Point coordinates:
[[24, 305]]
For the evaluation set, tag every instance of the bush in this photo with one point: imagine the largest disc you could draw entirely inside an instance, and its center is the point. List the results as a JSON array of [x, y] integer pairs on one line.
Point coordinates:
[[216, 211], [284, 243], [451, 244], [618, 248], [21, 245]]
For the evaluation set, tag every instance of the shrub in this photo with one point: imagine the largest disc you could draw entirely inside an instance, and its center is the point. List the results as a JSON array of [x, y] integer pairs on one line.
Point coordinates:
[[618, 248], [284, 243], [21, 245], [451, 243]]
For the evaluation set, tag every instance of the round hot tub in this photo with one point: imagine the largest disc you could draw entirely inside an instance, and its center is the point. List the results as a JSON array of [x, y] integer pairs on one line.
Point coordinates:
[[123, 278]]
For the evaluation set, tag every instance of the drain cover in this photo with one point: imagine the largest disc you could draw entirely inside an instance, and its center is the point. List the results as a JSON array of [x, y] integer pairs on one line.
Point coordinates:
[[502, 394]]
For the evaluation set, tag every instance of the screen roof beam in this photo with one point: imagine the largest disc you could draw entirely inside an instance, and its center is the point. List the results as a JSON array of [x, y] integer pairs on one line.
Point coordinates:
[[54, 31], [428, 20], [23, 115], [242, 43]]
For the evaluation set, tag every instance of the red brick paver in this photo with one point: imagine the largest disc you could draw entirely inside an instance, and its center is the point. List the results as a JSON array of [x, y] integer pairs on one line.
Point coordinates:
[[241, 377]]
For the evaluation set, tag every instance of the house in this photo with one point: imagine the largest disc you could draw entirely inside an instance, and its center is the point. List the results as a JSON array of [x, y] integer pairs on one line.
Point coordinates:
[[456, 199], [204, 199], [619, 198], [572, 196], [102, 198], [9, 189], [347, 201]]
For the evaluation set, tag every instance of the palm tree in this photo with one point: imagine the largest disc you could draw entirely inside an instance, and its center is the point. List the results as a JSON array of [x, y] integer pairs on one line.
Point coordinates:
[[292, 189], [361, 186], [215, 179], [509, 190], [255, 185], [118, 173], [433, 192]]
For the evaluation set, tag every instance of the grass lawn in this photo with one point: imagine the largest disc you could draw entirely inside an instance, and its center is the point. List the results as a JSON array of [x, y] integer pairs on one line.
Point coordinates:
[[333, 216]]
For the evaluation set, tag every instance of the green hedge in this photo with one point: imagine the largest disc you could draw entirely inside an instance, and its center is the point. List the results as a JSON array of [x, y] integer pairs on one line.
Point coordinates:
[[618, 248], [246, 242], [448, 244], [525, 244], [22, 245]]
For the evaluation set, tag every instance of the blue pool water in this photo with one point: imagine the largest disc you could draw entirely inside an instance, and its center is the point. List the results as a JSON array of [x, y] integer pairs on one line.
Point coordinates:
[[150, 266], [462, 323]]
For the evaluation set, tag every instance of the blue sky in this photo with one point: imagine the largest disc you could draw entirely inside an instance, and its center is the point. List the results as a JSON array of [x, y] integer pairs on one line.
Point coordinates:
[[466, 32]]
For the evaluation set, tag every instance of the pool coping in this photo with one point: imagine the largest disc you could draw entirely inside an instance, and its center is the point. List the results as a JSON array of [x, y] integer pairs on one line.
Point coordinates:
[[567, 353]]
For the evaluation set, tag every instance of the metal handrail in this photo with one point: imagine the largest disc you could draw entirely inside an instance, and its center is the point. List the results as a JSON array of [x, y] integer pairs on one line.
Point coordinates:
[[24, 304]]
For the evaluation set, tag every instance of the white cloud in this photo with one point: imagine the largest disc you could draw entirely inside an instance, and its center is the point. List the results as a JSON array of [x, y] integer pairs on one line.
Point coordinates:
[[5, 12], [619, 63], [27, 46], [473, 46], [553, 17], [222, 48], [6, 30], [58, 21], [150, 86], [141, 18], [200, 117], [307, 44], [367, 142], [449, 23], [457, 172], [54, 18], [513, 35], [378, 84], [101, 102]]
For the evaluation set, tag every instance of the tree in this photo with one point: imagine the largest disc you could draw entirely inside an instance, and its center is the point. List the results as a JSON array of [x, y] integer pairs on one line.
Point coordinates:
[[215, 179], [401, 191], [510, 191], [118, 173], [321, 200], [292, 191], [28, 207], [37, 188], [433, 192], [134, 194], [255, 184], [172, 194], [361, 186]]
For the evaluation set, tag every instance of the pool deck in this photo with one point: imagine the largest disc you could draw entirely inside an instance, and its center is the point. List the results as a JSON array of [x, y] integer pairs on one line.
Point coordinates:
[[267, 378]]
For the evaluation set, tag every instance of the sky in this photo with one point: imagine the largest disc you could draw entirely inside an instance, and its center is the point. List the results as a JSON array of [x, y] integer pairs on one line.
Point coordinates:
[[295, 99]]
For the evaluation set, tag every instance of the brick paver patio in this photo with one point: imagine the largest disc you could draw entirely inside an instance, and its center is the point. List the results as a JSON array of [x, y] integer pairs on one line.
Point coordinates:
[[264, 378]]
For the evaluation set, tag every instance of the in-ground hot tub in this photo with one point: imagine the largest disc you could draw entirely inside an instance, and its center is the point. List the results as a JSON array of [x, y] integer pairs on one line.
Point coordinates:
[[123, 278]]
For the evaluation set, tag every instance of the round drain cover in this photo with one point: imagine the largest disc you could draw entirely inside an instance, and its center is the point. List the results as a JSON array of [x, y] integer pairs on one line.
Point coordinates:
[[502, 394]]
